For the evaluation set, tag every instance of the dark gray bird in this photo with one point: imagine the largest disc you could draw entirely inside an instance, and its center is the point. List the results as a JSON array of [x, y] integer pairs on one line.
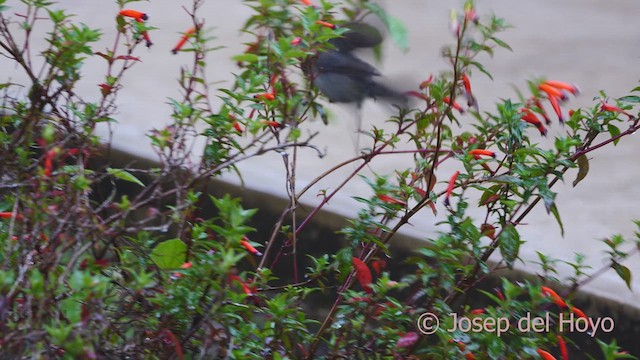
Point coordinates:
[[343, 77]]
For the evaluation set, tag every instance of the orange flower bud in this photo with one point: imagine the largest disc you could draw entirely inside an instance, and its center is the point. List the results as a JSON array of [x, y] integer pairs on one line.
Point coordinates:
[[572, 88], [611, 108], [9, 215], [135, 14], [265, 96], [578, 312], [326, 24], [531, 118], [183, 40], [553, 92], [236, 125], [556, 107], [545, 355], [450, 186], [482, 152], [537, 103], [554, 296], [453, 104], [391, 200], [563, 347], [274, 124], [250, 247]]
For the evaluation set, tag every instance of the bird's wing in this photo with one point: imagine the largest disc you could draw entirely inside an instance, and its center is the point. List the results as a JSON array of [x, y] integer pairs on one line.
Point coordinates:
[[344, 63]]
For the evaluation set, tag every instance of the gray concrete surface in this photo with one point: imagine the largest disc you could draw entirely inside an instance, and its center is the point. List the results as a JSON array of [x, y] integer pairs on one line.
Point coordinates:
[[595, 44]]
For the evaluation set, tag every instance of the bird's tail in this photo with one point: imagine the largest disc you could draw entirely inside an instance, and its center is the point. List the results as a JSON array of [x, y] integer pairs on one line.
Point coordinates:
[[394, 97]]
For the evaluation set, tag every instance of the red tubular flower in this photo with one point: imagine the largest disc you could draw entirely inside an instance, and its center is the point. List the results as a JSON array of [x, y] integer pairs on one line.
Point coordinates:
[[450, 186], [245, 288], [48, 161], [554, 296], [556, 107], [471, 100], [466, 83], [378, 266], [250, 247], [9, 215], [563, 348], [423, 85], [461, 346], [560, 85], [296, 41], [553, 92], [531, 118], [417, 95], [306, 2], [482, 152], [432, 205], [265, 96], [236, 125], [469, 356], [538, 104], [145, 34], [363, 274], [476, 312], [135, 14], [607, 107], [544, 355], [578, 312], [183, 40], [390, 200], [273, 124], [453, 104], [326, 24]]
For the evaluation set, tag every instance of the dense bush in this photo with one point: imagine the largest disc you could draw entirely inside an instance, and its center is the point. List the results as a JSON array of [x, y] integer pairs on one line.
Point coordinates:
[[89, 272]]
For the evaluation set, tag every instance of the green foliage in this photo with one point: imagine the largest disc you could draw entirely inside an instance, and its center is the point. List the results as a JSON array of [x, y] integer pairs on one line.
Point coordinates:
[[166, 270]]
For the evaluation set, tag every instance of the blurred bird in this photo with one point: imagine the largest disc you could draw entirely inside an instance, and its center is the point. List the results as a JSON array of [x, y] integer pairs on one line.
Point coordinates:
[[343, 77]]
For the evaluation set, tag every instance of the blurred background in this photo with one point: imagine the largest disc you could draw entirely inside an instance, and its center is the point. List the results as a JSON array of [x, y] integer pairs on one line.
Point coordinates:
[[592, 43]]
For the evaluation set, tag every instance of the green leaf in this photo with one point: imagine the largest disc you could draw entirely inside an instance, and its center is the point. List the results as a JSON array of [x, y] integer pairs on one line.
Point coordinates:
[[481, 68], [58, 333], [623, 272], [583, 169], [169, 254], [396, 28], [509, 243], [630, 99], [124, 175], [250, 58], [398, 33], [501, 43], [613, 131], [554, 210]]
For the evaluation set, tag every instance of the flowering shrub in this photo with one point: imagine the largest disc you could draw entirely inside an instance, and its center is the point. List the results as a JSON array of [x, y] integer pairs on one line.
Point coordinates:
[[94, 273]]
